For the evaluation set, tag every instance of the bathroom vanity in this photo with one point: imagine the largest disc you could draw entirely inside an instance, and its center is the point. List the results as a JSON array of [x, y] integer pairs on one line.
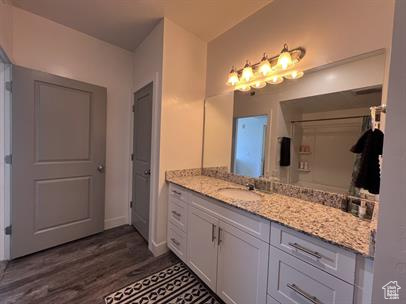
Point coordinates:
[[304, 235], [269, 249]]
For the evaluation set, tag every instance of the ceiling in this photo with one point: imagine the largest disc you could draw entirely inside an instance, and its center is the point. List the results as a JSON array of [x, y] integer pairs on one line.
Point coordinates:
[[337, 101], [126, 23]]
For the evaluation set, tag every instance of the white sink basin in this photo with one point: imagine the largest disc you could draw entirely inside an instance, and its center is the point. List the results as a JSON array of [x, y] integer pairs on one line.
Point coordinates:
[[239, 194]]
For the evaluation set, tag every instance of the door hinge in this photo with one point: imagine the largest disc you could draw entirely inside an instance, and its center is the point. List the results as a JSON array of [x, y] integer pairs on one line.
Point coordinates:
[[9, 86], [8, 159], [7, 230], [131, 204], [132, 157]]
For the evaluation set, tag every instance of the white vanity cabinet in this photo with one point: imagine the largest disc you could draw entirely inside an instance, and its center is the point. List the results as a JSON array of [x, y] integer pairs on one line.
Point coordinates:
[[177, 221], [292, 281], [330, 258], [304, 269], [202, 245], [225, 249], [242, 260], [246, 259]]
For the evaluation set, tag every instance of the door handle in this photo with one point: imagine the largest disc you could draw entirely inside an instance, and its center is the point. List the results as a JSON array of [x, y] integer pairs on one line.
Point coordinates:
[[147, 172], [100, 168]]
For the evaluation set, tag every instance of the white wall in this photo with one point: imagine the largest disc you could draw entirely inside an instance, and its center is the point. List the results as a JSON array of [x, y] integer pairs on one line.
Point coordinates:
[[148, 64], [6, 24], [329, 30], [148, 57], [41, 44], [183, 92], [390, 257], [177, 59], [218, 130]]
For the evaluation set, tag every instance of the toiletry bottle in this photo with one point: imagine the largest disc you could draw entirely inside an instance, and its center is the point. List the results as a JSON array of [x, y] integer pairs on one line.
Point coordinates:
[[306, 166], [362, 209]]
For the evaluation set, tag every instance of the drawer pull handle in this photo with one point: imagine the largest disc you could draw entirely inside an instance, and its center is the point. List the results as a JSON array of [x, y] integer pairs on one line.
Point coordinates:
[[219, 237], [177, 214], [213, 233], [304, 249], [304, 294], [175, 242], [176, 192]]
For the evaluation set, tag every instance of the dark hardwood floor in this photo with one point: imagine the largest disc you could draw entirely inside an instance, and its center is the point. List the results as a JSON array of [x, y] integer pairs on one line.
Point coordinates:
[[83, 271]]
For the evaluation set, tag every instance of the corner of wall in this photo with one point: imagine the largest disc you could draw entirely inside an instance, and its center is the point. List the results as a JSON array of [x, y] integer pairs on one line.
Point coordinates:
[[183, 94], [6, 29]]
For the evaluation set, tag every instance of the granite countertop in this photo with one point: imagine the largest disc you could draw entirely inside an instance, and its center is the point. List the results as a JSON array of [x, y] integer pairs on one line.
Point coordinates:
[[327, 223]]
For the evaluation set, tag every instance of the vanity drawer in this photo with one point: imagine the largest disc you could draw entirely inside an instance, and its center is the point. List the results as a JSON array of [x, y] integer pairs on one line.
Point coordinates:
[[330, 258], [292, 281], [177, 213], [178, 192], [243, 220], [177, 241]]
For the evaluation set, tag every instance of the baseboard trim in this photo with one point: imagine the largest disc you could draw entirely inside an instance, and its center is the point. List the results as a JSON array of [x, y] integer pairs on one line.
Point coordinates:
[[114, 222], [158, 249]]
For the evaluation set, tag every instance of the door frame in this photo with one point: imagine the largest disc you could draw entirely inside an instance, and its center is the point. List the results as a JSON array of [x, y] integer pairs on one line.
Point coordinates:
[[266, 142], [155, 248], [5, 179]]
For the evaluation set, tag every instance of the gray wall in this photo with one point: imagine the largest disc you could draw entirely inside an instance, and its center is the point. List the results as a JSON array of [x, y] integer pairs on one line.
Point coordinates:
[[390, 261]]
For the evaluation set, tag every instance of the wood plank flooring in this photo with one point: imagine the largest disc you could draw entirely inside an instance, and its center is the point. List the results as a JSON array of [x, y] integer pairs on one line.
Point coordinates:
[[83, 271]]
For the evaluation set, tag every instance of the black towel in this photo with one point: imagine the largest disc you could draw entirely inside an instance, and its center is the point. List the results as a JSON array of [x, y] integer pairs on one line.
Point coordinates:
[[370, 145], [285, 152]]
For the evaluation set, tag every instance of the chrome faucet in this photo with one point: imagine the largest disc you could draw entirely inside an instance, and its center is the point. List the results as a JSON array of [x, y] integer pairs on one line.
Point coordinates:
[[250, 187]]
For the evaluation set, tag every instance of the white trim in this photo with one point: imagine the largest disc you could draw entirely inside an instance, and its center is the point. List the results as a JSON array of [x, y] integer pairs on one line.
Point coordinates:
[[158, 249], [2, 165], [5, 148], [115, 222], [155, 248]]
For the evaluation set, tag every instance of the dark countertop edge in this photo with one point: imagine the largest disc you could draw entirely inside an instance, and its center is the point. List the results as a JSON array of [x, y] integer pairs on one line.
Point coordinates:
[[275, 221]]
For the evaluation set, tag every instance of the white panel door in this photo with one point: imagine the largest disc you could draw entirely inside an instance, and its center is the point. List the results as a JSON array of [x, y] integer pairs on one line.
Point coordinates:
[[59, 151], [142, 159], [242, 267], [202, 245]]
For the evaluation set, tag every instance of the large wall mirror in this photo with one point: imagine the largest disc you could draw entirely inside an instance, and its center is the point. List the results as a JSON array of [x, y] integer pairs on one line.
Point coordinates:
[[299, 132]]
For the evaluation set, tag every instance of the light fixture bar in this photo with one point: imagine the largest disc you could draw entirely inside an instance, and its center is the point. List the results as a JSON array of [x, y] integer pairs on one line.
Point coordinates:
[[300, 51], [272, 70]]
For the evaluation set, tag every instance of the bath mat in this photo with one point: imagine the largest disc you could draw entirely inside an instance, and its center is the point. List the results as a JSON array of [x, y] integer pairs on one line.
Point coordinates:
[[173, 285]]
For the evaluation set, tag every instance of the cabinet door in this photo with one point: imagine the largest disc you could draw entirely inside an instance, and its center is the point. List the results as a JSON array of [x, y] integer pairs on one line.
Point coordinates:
[[242, 267], [202, 245]]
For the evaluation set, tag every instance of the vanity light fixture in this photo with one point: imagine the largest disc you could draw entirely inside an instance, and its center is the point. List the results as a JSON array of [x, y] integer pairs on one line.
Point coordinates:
[[264, 66], [284, 59], [233, 78], [243, 87], [272, 70], [294, 75], [275, 79], [259, 84], [247, 72]]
